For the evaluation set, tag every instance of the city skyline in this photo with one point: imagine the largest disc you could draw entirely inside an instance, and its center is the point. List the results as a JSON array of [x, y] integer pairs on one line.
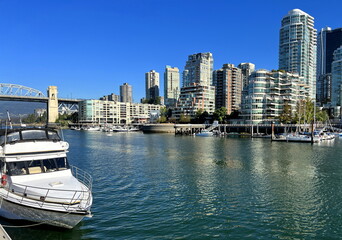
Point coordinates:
[[89, 49]]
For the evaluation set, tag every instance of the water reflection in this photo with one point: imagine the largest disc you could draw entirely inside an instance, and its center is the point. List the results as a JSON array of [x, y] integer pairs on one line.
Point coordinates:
[[161, 186]]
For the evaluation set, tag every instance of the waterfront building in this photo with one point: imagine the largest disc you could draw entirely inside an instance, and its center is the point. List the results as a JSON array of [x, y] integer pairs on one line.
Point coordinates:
[[268, 92], [171, 85], [193, 98], [328, 41], [198, 69], [297, 47], [126, 93], [336, 79], [152, 85], [246, 71], [228, 87], [197, 92], [111, 112]]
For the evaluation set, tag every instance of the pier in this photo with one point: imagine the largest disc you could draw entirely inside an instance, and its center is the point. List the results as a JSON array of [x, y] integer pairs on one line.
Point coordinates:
[[246, 129]]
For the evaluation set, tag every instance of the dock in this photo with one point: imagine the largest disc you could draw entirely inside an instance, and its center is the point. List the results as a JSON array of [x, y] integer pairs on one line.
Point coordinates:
[[3, 234]]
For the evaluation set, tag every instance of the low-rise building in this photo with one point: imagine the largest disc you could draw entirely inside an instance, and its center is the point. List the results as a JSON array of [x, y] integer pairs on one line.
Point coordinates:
[[111, 112]]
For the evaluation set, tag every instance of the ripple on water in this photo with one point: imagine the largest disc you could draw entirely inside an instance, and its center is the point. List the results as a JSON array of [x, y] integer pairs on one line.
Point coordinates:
[[164, 187]]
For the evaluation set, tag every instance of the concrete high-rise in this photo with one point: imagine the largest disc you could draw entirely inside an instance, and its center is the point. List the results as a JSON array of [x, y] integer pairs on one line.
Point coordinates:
[[198, 69], [152, 85], [246, 71], [268, 93], [171, 85], [297, 47], [328, 41], [197, 92], [228, 87], [126, 93], [336, 79]]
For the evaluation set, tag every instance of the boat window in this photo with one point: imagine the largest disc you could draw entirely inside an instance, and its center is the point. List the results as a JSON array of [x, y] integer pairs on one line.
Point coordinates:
[[53, 135], [34, 134], [12, 137], [37, 166], [55, 164], [2, 140], [62, 163], [50, 165], [16, 168]]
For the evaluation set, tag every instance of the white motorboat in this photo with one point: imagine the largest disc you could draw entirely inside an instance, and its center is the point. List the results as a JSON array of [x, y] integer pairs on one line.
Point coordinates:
[[92, 128], [125, 129], [296, 137], [37, 183], [205, 133]]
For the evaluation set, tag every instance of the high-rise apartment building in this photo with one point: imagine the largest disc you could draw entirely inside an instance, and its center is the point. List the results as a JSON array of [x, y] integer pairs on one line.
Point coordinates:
[[152, 85], [246, 71], [197, 91], [171, 85], [328, 41], [267, 94], [198, 69], [126, 93], [228, 87], [336, 79], [297, 47]]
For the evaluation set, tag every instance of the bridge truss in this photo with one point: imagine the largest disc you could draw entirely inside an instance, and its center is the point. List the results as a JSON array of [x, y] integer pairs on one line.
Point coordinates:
[[15, 92], [19, 90], [68, 107]]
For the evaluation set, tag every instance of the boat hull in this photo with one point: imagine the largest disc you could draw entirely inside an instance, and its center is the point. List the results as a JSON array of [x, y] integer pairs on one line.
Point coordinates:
[[16, 211]]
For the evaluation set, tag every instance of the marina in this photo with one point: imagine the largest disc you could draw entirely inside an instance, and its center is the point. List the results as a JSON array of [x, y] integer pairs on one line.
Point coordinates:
[[162, 186]]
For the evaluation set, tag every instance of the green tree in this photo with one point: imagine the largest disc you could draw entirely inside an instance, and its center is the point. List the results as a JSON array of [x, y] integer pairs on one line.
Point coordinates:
[[220, 114], [286, 115], [197, 117], [234, 115], [162, 119], [305, 112], [184, 118], [322, 116], [31, 118], [163, 111], [42, 118]]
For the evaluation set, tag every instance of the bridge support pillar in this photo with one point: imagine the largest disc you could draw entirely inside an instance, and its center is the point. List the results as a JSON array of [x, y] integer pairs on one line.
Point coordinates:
[[52, 107]]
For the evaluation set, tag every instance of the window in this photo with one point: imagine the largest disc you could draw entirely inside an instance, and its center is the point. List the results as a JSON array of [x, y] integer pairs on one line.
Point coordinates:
[[37, 166], [12, 137], [33, 134]]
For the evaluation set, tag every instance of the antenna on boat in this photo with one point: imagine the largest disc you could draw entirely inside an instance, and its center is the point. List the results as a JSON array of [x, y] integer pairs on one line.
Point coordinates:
[[9, 120]]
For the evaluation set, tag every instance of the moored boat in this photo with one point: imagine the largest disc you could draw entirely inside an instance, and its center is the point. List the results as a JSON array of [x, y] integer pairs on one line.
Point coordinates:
[[205, 133], [37, 182], [297, 137]]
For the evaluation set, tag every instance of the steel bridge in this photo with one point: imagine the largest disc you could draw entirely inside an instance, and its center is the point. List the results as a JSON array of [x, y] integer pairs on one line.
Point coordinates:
[[15, 92]]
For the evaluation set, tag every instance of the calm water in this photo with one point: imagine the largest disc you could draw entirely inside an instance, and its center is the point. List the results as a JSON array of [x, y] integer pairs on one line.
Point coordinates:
[[160, 186]]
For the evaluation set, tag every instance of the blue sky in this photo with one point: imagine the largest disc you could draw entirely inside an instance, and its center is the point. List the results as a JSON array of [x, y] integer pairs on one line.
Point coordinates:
[[88, 48]]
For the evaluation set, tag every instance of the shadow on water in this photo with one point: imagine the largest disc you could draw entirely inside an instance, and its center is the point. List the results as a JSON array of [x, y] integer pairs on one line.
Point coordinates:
[[19, 229]]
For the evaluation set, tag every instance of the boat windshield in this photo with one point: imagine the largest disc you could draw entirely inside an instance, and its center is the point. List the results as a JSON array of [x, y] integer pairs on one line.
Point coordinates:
[[37, 166], [29, 134]]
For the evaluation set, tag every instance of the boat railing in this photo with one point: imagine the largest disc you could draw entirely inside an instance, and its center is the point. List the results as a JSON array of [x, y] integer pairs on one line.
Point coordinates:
[[82, 176], [73, 200]]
